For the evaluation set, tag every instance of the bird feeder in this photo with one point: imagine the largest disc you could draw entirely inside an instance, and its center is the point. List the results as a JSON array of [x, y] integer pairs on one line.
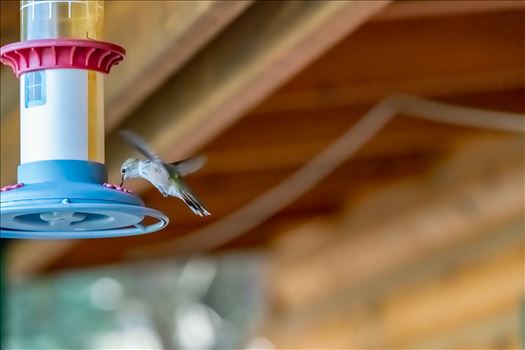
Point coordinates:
[[62, 189]]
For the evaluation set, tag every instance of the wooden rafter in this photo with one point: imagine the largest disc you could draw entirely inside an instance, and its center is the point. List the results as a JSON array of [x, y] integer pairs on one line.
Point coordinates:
[[417, 9], [467, 296], [478, 189]]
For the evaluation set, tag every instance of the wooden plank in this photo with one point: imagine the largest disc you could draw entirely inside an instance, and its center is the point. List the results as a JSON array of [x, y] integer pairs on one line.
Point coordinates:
[[482, 192], [466, 301], [502, 79], [485, 55], [160, 37], [269, 44], [415, 9], [9, 22], [500, 329], [472, 293], [392, 50], [9, 95], [9, 32], [256, 150]]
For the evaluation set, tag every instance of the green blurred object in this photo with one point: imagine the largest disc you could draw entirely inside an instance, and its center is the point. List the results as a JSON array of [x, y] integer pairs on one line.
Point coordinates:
[[206, 303], [523, 323], [3, 247]]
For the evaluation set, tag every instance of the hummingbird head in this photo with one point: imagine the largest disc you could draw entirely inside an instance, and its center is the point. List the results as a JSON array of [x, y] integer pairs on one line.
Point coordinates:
[[129, 169]]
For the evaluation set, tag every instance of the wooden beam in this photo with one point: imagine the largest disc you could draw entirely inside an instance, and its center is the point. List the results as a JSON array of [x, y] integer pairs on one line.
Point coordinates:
[[159, 37], [258, 158], [421, 309], [10, 90], [473, 293], [269, 44], [485, 55], [401, 10], [479, 189], [9, 22], [9, 32], [454, 83], [500, 329]]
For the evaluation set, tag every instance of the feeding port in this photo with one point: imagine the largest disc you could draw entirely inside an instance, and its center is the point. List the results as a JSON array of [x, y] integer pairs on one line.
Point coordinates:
[[61, 190]]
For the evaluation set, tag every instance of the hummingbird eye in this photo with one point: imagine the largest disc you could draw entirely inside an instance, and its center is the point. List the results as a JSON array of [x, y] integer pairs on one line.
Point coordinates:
[[123, 171]]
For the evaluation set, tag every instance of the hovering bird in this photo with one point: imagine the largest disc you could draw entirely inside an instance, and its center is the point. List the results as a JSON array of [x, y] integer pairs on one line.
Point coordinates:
[[167, 178]]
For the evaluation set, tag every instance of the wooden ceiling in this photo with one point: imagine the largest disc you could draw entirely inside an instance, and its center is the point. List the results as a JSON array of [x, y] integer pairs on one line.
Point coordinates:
[[474, 59], [267, 88], [468, 55]]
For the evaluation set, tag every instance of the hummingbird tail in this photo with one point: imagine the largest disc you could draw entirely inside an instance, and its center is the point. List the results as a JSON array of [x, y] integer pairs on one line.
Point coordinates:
[[194, 204]]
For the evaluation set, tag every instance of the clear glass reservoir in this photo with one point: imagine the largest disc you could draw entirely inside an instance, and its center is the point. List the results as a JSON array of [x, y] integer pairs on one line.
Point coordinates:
[[62, 112], [79, 19]]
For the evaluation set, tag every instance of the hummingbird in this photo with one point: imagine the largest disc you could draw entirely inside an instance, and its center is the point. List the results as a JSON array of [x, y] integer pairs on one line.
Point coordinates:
[[166, 177]]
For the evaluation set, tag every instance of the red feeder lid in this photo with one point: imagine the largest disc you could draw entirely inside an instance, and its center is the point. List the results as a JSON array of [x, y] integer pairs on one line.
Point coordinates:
[[31, 55]]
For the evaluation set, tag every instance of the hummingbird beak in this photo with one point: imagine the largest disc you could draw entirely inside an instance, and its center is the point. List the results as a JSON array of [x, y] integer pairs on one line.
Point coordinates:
[[122, 182]]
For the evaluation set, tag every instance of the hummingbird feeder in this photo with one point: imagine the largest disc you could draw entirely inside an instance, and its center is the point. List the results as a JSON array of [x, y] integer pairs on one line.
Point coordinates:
[[62, 189]]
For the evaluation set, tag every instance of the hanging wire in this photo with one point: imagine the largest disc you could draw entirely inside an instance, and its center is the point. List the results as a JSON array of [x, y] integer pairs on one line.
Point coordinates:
[[283, 194]]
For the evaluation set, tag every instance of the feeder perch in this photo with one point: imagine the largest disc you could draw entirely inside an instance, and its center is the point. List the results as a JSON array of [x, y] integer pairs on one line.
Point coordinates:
[[62, 190]]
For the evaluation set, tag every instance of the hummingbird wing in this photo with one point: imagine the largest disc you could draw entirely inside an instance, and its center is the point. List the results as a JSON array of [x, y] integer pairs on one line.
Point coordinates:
[[137, 142], [188, 166]]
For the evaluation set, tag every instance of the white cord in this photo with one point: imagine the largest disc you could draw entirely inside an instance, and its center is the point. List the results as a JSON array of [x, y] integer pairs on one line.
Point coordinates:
[[277, 198]]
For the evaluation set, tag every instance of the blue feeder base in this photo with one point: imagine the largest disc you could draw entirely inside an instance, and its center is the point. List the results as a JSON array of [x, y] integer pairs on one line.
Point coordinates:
[[66, 199]]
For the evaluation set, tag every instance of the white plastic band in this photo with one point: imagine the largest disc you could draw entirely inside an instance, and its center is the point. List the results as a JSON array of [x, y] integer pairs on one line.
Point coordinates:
[[54, 115]]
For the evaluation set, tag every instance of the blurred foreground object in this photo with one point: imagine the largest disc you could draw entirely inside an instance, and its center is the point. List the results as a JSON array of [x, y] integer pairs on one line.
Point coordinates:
[[204, 303]]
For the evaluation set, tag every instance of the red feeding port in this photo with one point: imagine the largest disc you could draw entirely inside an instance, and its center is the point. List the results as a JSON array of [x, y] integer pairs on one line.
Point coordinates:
[[117, 187], [11, 187]]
